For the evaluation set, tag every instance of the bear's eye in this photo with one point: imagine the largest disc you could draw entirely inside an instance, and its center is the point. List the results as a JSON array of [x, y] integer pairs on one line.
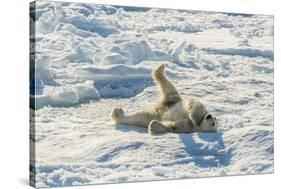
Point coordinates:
[[208, 117]]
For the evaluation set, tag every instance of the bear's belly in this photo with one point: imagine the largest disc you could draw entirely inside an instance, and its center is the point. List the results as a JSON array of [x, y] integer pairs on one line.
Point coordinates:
[[175, 113]]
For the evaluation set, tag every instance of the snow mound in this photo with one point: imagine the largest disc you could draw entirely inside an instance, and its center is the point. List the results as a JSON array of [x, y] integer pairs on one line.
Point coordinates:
[[117, 81], [41, 74], [76, 31], [68, 96], [103, 27], [115, 58], [136, 50], [242, 52], [48, 20], [99, 82], [128, 52]]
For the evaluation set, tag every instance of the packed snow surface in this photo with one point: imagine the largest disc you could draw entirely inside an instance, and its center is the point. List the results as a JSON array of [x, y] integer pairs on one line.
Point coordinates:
[[91, 58]]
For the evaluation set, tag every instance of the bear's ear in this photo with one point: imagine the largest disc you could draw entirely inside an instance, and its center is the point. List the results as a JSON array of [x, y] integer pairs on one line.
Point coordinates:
[[209, 117]]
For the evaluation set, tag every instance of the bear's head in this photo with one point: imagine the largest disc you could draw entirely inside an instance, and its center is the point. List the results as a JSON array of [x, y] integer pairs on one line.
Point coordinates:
[[209, 124]]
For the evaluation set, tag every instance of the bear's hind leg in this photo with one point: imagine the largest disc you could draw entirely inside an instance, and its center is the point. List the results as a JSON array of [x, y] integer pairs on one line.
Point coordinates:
[[140, 118]]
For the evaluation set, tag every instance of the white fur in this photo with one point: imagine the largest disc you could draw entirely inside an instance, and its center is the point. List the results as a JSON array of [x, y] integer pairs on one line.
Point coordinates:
[[171, 113]]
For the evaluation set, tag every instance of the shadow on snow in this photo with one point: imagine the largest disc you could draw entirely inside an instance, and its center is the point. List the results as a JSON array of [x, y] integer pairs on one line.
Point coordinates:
[[204, 149]]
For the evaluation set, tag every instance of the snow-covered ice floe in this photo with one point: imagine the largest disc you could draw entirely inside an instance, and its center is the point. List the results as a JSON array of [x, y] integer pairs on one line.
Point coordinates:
[[90, 58]]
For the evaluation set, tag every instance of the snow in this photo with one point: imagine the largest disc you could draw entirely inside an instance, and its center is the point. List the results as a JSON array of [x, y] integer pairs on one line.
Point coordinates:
[[67, 96], [91, 58]]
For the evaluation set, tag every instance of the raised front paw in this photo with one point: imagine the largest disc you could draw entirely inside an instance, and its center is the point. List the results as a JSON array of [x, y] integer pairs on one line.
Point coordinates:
[[156, 127], [117, 114]]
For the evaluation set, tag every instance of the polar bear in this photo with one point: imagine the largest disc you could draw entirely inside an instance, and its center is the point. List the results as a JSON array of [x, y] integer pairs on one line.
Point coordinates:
[[171, 113]]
